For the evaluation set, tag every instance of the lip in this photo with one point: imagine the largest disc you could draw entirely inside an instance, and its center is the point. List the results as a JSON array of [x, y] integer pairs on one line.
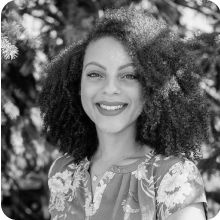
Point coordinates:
[[113, 112], [111, 103]]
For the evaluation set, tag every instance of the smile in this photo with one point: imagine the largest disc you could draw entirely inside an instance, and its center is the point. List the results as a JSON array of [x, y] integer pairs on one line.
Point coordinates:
[[111, 108]]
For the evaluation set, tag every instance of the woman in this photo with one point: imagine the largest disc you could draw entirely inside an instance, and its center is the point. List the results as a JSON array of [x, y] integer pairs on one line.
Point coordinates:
[[125, 108]]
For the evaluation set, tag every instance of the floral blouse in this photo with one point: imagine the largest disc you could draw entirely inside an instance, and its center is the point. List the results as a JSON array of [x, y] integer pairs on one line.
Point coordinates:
[[152, 188]]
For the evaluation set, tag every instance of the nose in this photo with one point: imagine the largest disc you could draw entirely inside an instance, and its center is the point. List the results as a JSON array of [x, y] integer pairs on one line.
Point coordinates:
[[111, 87]]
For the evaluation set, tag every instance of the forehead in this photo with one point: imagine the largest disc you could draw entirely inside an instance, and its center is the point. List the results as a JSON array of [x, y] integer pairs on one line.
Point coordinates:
[[106, 49]]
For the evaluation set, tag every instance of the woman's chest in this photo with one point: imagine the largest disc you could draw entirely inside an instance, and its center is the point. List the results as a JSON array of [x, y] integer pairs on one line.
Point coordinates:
[[112, 196]]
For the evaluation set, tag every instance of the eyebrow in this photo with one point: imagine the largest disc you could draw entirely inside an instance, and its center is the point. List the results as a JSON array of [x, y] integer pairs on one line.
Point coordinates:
[[101, 66]]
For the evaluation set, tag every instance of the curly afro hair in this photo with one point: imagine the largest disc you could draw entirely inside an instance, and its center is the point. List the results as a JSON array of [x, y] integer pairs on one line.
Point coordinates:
[[174, 116]]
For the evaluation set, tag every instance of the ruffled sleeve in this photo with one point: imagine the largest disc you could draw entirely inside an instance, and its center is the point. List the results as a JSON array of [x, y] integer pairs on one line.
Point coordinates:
[[181, 186]]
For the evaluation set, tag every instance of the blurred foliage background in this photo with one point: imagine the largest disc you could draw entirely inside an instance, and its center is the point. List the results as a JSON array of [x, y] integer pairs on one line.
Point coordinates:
[[32, 33]]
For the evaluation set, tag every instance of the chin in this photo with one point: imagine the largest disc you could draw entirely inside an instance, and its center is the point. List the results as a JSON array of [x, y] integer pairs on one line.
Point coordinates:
[[111, 129]]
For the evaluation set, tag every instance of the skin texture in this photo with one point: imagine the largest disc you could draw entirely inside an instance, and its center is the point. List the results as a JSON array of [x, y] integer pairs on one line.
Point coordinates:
[[191, 212], [115, 81], [108, 75]]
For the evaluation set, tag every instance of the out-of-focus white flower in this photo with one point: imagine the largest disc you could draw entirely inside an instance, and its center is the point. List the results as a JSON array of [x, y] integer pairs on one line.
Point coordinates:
[[39, 62], [17, 141], [11, 110], [39, 146], [35, 117]]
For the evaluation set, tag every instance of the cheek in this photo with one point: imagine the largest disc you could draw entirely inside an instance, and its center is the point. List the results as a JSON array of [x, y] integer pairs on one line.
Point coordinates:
[[84, 94], [88, 94], [85, 99], [87, 104]]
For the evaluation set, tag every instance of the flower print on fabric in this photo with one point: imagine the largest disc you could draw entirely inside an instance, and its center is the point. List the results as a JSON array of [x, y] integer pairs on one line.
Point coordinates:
[[63, 186], [91, 208], [176, 188], [59, 185], [154, 188], [146, 180], [126, 205]]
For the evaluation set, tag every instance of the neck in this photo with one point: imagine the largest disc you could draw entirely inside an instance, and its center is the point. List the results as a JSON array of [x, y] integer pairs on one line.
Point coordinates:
[[116, 145]]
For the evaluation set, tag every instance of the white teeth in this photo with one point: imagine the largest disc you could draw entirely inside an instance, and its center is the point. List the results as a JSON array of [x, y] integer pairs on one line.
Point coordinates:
[[111, 108]]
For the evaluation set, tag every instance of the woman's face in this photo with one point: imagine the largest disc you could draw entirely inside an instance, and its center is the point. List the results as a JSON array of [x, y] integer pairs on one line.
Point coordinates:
[[110, 92]]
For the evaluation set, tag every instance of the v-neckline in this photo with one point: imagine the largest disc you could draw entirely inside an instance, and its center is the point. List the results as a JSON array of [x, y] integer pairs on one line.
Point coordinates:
[[93, 199], [96, 197], [110, 172], [91, 183], [103, 182]]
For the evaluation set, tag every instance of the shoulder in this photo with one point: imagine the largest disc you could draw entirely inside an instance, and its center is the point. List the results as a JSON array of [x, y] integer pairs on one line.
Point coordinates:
[[163, 165], [60, 164], [179, 185], [173, 169]]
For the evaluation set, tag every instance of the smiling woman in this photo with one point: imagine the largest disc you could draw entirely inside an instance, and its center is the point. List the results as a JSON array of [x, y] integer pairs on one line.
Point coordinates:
[[109, 87], [125, 107]]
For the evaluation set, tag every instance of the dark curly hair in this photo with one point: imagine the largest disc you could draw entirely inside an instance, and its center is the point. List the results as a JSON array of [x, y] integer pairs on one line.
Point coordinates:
[[174, 116]]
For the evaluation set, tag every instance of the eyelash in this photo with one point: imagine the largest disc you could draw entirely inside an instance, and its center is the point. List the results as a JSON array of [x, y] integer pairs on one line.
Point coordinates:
[[94, 74], [130, 75]]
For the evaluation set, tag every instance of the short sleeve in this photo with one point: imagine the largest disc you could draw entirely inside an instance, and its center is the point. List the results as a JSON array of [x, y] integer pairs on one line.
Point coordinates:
[[59, 179], [181, 186]]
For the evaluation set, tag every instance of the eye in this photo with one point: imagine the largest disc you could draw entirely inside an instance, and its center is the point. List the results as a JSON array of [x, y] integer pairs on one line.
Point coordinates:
[[93, 74], [130, 76]]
